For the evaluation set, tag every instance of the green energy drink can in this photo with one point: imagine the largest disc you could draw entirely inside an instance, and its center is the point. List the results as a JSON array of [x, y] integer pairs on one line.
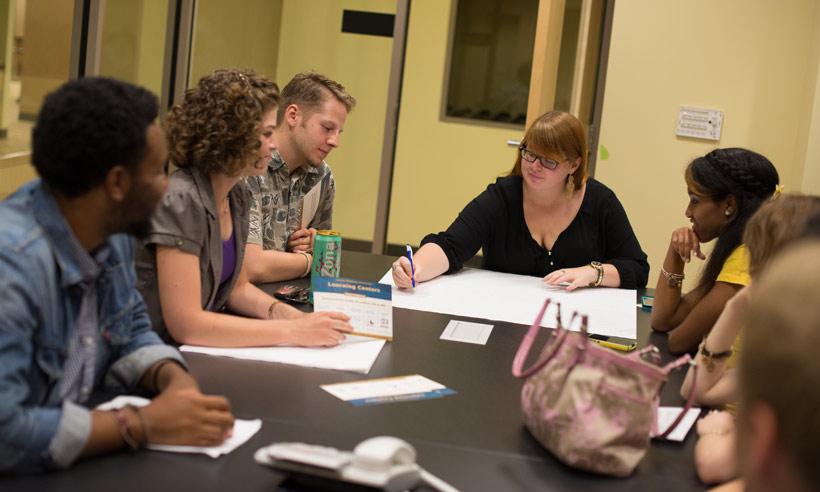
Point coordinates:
[[327, 256]]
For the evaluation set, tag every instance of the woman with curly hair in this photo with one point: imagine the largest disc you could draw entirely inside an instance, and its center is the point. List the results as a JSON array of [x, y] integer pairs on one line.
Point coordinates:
[[726, 187], [190, 266]]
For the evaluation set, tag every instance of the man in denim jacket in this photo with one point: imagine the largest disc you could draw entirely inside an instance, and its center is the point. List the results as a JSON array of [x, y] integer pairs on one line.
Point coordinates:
[[72, 320]]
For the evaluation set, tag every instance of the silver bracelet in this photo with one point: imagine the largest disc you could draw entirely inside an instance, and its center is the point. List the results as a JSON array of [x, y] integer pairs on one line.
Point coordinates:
[[674, 279], [309, 259]]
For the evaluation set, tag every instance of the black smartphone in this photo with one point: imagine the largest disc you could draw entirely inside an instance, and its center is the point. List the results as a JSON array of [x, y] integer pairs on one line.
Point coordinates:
[[293, 293]]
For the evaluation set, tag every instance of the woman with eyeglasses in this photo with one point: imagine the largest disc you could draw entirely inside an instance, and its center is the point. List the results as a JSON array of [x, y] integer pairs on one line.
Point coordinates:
[[546, 218]]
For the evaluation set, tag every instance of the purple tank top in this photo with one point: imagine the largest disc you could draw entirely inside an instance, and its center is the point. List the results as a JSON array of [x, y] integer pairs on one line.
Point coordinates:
[[228, 259]]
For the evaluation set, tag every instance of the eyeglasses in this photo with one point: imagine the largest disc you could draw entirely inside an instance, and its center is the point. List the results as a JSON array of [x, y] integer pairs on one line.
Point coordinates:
[[530, 157]]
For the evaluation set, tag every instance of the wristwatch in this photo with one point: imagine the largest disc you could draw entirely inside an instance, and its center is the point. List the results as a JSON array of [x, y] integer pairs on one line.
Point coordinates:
[[600, 269]]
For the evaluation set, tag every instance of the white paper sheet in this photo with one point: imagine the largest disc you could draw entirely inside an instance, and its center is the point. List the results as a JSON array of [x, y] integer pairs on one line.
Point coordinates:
[[355, 354], [310, 204], [667, 415], [464, 331], [242, 430], [518, 298]]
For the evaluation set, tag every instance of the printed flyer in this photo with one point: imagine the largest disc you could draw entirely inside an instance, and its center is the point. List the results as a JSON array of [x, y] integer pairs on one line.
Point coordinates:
[[369, 304]]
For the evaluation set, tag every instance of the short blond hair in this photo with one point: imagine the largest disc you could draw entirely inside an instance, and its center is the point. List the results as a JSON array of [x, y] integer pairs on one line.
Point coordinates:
[[780, 366], [776, 224], [309, 90]]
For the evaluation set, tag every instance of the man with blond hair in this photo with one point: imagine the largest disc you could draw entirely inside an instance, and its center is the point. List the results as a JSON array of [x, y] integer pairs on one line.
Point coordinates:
[[778, 424], [311, 119]]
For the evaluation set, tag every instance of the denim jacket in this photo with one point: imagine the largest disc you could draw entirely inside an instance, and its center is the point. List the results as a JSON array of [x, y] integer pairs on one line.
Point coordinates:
[[40, 296]]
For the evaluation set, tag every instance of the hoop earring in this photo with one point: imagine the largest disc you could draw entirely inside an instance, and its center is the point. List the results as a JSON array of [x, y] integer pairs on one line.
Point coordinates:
[[570, 185]]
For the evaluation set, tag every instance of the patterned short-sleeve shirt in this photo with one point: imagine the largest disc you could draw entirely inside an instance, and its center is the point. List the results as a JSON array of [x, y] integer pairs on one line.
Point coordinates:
[[276, 205]]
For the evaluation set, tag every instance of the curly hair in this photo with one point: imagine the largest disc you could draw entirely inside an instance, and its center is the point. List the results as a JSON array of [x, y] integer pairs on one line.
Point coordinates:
[[216, 128], [744, 174], [88, 126], [309, 90]]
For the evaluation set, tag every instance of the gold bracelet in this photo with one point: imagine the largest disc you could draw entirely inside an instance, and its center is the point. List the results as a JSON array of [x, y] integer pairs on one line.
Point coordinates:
[[270, 308], [718, 432], [709, 358]]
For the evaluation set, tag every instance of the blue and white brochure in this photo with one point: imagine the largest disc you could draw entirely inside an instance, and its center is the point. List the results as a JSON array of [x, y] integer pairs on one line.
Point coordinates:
[[388, 390], [369, 304]]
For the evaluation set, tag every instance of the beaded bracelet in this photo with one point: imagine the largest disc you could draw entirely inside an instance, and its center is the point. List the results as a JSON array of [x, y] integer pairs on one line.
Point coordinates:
[[122, 424]]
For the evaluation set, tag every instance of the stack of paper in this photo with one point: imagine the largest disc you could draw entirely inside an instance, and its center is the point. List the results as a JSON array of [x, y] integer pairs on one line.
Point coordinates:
[[355, 354], [518, 299]]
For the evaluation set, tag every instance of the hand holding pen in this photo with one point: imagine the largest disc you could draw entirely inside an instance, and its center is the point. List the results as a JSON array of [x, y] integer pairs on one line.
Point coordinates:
[[405, 273], [412, 270]]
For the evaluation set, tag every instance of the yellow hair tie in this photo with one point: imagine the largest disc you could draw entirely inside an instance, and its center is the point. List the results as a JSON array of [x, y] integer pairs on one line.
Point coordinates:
[[777, 190]]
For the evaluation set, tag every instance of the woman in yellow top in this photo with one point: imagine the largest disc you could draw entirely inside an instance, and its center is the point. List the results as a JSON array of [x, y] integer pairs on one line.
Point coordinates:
[[726, 187]]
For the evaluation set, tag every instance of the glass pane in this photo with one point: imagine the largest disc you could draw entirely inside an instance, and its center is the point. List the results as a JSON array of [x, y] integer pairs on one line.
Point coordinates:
[[566, 60], [280, 38], [35, 36], [237, 34], [491, 60], [133, 42]]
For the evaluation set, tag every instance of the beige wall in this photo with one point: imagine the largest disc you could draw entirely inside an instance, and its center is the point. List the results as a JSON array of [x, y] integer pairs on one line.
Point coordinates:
[[235, 34], [758, 61], [312, 39], [47, 49], [440, 166], [754, 60], [809, 136]]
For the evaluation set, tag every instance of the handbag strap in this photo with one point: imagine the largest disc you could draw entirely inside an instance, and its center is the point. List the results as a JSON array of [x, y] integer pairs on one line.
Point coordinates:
[[526, 344], [690, 400]]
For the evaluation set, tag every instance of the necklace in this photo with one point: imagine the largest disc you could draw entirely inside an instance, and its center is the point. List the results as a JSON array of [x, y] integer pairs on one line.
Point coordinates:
[[227, 208]]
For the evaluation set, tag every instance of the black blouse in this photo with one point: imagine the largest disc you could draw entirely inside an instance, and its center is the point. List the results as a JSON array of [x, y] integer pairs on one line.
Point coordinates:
[[494, 221]]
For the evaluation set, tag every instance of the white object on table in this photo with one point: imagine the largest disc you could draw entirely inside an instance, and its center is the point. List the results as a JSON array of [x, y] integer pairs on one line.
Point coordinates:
[[242, 430], [514, 298], [667, 415], [355, 354]]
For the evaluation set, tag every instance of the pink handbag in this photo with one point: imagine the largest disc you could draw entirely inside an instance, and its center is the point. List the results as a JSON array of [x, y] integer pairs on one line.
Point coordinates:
[[588, 405]]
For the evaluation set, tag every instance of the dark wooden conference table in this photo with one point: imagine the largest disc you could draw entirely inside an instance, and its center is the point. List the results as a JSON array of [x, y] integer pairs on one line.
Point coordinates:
[[475, 439]]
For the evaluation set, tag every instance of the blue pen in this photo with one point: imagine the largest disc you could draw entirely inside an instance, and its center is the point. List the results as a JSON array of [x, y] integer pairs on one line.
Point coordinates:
[[412, 270]]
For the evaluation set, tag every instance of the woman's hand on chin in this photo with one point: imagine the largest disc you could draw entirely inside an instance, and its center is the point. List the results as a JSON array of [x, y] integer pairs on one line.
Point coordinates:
[[685, 243]]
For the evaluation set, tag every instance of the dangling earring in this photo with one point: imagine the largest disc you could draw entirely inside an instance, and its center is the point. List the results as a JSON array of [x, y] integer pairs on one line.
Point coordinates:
[[570, 185]]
